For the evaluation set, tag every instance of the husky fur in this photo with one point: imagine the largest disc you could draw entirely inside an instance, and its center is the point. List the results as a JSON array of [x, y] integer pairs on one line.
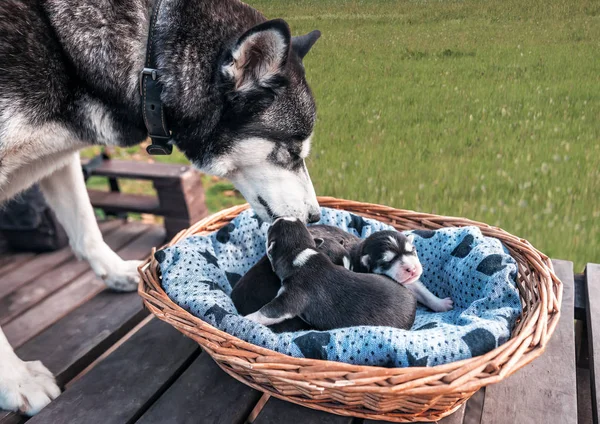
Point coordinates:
[[236, 100]]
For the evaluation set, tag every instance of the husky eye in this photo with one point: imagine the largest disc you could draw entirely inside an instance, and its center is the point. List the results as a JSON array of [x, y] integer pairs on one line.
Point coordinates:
[[295, 156]]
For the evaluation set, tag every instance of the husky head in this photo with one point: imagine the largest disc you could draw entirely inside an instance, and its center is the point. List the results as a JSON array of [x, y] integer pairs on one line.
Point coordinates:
[[264, 131]]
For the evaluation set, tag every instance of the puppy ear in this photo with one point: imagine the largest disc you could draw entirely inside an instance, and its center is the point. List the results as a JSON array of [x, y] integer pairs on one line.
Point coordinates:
[[347, 263], [302, 44], [319, 242], [259, 55], [270, 249], [342, 242], [364, 260]]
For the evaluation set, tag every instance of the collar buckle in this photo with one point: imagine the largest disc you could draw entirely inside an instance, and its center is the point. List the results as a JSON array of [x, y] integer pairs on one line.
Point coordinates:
[[147, 72]]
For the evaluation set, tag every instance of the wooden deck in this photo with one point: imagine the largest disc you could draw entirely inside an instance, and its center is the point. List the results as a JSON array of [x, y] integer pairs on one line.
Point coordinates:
[[117, 364]]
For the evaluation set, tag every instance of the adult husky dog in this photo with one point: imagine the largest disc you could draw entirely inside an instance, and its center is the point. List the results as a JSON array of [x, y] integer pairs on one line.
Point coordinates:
[[233, 94]]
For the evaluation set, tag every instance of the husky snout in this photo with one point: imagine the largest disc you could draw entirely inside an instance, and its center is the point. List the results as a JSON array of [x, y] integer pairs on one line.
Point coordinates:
[[274, 191], [275, 182]]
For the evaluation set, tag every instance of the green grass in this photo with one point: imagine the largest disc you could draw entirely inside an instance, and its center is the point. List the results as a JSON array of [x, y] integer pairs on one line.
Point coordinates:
[[487, 110]]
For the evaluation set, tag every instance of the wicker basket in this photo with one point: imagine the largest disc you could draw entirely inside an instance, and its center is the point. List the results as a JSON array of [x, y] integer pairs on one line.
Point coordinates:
[[396, 394]]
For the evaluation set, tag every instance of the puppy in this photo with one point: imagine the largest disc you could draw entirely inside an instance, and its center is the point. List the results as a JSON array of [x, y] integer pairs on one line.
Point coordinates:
[[393, 254], [387, 253], [260, 284], [329, 232], [324, 295]]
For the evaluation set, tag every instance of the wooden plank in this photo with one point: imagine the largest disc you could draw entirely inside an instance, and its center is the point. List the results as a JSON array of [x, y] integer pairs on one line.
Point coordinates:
[[78, 291], [592, 274], [41, 264], [139, 170], [173, 225], [120, 388], [580, 297], [44, 285], [76, 340], [277, 411], [545, 390], [11, 418], [110, 350], [182, 202], [584, 397], [474, 408], [121, 202], [203, 394], [73, 342], [18, 302], [194, 194], [13, 260], [455, 418]]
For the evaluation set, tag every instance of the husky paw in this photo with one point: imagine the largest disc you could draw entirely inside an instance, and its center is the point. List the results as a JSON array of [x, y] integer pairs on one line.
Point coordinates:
[[119, 275], [443, 305], [26, 387], [124, 277]]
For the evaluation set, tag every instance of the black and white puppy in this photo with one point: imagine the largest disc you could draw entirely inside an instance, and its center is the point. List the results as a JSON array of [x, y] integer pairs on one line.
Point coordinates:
[[324, 295], [260, 284], [393, 254]]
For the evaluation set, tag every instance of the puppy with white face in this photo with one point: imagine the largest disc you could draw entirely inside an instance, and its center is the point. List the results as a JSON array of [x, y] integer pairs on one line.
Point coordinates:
[[324, 295], [393, 254], [260, 284]]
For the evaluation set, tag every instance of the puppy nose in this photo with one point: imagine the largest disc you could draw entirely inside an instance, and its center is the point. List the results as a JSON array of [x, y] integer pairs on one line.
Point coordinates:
[[411, 269], [314, 217]]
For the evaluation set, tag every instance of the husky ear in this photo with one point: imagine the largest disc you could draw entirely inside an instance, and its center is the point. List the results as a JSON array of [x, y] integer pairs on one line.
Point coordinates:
[[319, 242], [302, 43], [259, 55]]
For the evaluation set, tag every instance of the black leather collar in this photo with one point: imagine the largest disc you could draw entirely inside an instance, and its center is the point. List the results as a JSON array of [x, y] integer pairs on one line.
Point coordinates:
[[153, 110]]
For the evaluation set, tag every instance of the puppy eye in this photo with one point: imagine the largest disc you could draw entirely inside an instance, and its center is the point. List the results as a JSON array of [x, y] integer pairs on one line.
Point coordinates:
[[388, 257]]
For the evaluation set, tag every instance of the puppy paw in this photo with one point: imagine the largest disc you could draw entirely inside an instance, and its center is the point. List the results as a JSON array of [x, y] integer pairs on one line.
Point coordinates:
[[443, 305], [26, 387], [124, 277], [256, 317], [260, 318]]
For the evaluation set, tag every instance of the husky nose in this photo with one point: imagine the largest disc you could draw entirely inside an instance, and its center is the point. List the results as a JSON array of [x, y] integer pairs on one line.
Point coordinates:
[[314, 217]]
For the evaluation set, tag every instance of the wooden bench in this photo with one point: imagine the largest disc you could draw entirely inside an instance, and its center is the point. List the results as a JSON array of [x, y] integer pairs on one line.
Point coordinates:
[[120, 365], [179, 192]]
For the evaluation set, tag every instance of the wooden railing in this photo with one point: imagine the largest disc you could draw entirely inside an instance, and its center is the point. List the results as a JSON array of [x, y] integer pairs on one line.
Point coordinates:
[[179, 192]]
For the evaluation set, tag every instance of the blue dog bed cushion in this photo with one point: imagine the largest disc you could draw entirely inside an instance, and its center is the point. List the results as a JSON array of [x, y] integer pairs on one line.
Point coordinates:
[[477, 272]]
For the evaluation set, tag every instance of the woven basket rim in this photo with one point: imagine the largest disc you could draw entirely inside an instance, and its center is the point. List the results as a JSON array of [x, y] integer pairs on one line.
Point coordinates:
[[541, 311]]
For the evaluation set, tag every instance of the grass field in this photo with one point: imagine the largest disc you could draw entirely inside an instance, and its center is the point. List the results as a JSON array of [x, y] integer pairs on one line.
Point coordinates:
[[487, 110]]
